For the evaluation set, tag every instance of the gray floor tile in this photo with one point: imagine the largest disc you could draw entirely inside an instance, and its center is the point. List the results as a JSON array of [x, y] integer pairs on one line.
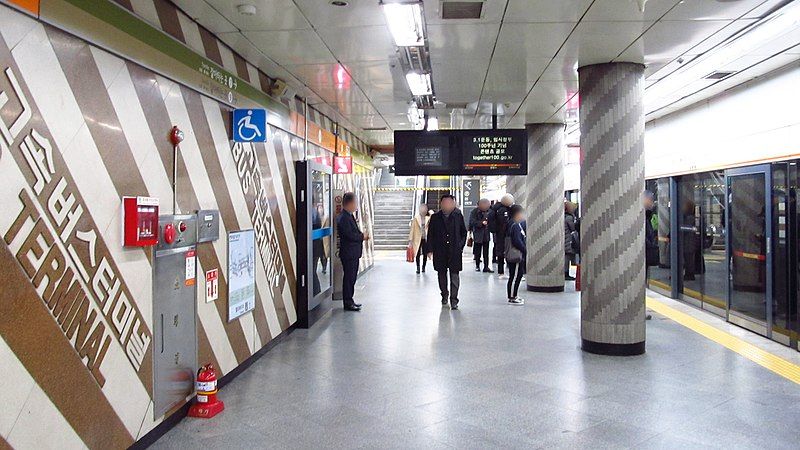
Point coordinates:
[[408, 374]]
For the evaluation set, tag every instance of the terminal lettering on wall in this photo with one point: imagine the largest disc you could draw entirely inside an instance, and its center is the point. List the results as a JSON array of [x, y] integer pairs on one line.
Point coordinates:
[[60, 248], [251, 179]]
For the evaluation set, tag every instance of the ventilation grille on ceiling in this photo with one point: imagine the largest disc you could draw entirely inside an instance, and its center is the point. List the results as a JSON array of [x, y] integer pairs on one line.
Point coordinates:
[[374, 129], [719, 75], [462, 10]]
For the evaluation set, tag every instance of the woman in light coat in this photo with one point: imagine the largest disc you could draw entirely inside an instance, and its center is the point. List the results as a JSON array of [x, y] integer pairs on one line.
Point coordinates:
[[418, 235]]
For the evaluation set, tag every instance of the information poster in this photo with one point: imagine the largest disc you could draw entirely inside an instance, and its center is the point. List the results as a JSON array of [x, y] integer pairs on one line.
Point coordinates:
[[241, 273], [470, 195]]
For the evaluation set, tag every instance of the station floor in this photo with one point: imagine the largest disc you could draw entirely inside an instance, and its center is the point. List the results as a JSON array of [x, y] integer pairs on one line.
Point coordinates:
[[407, 373]]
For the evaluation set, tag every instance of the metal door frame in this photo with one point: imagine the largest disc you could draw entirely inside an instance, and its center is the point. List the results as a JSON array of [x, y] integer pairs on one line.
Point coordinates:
[[740, 319]]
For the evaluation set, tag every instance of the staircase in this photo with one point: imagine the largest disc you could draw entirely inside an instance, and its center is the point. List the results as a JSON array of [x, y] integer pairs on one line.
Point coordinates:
[[392, 214]]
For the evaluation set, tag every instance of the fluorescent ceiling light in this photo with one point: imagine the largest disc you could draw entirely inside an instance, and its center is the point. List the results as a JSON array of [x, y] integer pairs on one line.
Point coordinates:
[[782, 21], [419, 83], [405, 23], [433, 124]]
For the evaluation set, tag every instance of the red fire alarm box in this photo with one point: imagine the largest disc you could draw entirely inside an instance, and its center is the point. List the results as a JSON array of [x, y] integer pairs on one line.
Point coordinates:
[[140, 221]]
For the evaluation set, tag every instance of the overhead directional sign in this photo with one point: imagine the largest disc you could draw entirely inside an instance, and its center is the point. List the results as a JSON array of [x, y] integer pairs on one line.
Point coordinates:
[[249, 125]]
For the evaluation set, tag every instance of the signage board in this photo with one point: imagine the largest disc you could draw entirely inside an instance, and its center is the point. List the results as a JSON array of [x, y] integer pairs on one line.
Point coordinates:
[[212, 285], [470, 195], [249, 125], [461, 152], [241, 273], [338, 271], [342, 165]]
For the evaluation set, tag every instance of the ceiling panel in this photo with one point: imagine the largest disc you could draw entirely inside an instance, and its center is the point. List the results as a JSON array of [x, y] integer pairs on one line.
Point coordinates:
[[337, 96], [516, 69], [525, 41], [713, 9], [665, 41], [720, 36], [386, 92], [629, 10], [367, 121], [546, 11], [359, 43], [319, 74], [357, 13], [202, 13], [601, 42], [459, 81], [562, 68], [374, 72], [292, 47], [459, 41], [270, 14], [389, 108]]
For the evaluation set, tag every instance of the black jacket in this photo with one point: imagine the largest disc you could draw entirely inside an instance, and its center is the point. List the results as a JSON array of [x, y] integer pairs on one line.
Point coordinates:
[[498, 223], [480, 232], [517, 232], [570, 226], [350, 237], [446, 239], [650, 240]]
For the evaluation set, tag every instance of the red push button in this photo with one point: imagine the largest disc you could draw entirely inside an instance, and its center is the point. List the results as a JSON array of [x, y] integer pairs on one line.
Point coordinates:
[[169, 233], [182, 227]]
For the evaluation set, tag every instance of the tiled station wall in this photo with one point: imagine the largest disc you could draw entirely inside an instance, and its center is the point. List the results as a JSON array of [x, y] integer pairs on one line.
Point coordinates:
[[79, 129], [751, 123]]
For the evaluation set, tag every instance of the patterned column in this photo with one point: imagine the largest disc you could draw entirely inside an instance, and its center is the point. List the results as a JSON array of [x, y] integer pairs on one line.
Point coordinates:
[[545, 193], [612, 225], [515, 185]]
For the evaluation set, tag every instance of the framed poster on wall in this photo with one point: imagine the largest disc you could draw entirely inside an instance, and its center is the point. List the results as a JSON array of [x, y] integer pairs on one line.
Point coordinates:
[[241, 273]]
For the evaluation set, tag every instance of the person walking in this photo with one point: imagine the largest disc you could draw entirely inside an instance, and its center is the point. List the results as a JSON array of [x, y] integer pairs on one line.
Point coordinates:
[[572, 243], [516, 253], [499, 227], [351, 241], [447, 236], [479, 227], [418, 235]]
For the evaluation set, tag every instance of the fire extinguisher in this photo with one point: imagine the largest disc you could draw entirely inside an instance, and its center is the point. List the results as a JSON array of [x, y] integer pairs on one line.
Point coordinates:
[[207, 404]]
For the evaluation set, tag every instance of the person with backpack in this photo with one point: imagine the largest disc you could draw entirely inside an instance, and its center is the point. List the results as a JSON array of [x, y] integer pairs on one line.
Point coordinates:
[[479, 228], [516, 253]]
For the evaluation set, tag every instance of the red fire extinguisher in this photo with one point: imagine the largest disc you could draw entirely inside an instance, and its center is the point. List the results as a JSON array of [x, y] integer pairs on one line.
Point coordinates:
[[207, 405]]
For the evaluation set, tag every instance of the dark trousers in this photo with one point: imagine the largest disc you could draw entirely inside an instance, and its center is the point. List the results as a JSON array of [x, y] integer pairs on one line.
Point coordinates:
[[350, 268], [569, 259], [455, 282], [421, 254], [481, 249], [515, 273]]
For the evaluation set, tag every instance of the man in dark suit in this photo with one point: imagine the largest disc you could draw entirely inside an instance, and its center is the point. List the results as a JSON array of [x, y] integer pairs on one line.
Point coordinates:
[[447, 236], [350, 248]]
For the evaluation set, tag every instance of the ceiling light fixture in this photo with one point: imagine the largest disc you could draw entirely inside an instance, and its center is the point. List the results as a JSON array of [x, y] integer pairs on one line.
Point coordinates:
[[782, 21], [405, 23], [419, 83], [338, 3]]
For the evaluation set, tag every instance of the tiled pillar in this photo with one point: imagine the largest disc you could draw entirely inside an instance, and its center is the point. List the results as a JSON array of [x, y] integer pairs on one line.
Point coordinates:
[[612, 223], [545, 194]]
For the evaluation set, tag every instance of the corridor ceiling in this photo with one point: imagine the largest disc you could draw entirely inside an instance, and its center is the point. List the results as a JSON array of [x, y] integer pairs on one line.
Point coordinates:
[[519, 59]]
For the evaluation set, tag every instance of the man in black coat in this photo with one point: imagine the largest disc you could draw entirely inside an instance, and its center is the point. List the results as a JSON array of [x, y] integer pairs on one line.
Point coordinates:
[[350, 248], [447, 236], [479, 227], [498, 225]]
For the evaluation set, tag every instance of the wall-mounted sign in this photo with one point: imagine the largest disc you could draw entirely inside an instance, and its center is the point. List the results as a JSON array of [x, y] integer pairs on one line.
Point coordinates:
[[342, 165], [212, 285], [249, 125], [461, 152], [241, 273], [470, 195]]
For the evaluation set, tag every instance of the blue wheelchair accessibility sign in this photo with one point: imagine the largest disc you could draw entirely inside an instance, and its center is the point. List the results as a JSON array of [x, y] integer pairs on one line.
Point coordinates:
[[249, 125]]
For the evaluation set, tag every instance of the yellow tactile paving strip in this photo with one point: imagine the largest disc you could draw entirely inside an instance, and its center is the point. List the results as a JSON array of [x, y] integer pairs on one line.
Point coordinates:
[[761, 357]]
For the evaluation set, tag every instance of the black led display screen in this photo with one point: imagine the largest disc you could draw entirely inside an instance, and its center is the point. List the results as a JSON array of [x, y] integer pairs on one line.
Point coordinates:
[[461, 152]]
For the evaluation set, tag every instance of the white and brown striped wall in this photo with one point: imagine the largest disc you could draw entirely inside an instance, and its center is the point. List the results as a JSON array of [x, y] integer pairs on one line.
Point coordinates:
[[79, 129]]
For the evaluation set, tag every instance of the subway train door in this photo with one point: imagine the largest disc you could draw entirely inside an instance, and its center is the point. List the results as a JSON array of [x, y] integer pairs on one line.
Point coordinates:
[[749, 248]]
